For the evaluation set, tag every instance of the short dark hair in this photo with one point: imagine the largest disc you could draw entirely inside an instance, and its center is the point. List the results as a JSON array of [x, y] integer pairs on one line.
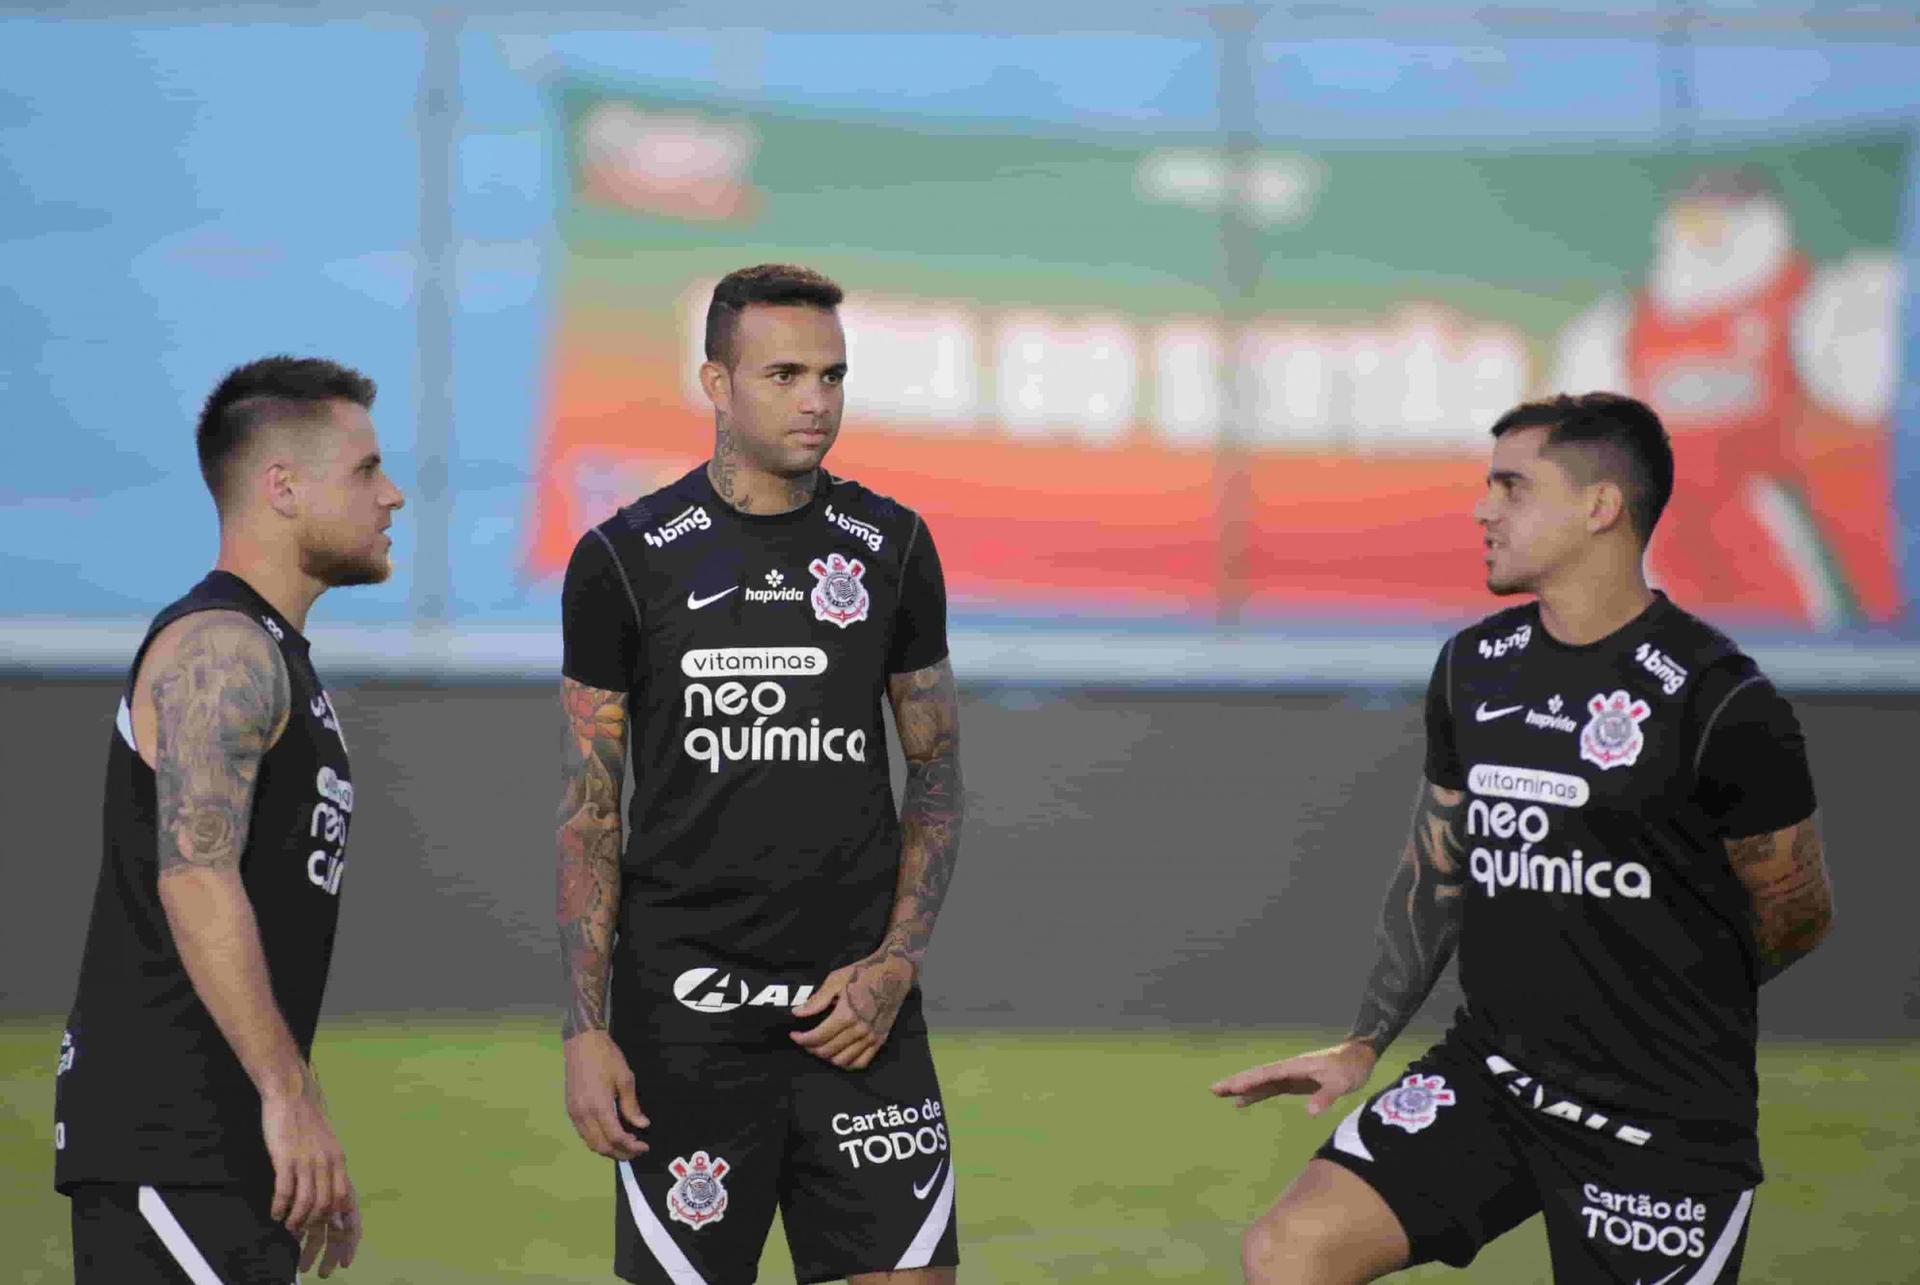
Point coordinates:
[[270, 390], [1606, 435], [766, 283]]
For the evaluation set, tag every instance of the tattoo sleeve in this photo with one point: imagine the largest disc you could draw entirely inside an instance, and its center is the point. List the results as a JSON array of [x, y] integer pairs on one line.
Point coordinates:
[[1785, 873], [220, 694], [594, 759], [926, 710], [1420, 922]]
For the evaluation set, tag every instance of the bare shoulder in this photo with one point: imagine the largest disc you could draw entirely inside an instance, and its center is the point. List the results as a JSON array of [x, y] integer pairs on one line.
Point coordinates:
[[225, 658]]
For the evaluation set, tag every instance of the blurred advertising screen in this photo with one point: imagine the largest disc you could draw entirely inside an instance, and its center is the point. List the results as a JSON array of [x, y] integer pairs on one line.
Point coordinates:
[[1041, 363]]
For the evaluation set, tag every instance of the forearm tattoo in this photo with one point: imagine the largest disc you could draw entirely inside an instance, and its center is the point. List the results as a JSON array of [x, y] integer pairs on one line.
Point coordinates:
[[1420, 922], [594, 758], [926, 710], [1785, 873], [220, 693]]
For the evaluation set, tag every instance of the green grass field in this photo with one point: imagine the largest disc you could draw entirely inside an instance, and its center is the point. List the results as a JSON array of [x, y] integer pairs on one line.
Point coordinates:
[[1081, 1157]]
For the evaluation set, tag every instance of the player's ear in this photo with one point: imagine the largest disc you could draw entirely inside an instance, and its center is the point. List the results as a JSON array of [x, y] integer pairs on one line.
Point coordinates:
[[278, 481], [1606, 506], [717, 382]]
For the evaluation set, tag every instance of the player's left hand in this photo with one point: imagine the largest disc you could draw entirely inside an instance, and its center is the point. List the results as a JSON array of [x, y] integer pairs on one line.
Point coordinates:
[[864, 998], [333, 1239]]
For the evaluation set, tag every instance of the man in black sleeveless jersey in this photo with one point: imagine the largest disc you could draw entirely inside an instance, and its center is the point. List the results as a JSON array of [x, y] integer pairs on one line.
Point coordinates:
[[1617, 828], [764, 928], [190, 1132]]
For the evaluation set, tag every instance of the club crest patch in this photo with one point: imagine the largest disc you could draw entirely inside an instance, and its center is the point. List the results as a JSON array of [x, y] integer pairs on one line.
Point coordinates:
[[839, 596], [1415, 1102], [697, 1197], [1612, 737]]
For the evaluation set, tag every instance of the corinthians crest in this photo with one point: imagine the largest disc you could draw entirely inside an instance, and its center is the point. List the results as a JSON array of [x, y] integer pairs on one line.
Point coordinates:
[[1414, 1103], [1612, 737], [697, 1197], [839, 596]]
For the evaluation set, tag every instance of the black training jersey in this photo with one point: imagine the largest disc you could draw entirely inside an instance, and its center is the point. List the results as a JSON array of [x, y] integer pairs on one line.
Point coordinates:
[[763, 845], [1606, 955], [148, 1089]]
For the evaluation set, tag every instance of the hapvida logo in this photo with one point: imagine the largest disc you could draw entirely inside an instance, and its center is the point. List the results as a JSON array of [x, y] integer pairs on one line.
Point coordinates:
[[774, 592]]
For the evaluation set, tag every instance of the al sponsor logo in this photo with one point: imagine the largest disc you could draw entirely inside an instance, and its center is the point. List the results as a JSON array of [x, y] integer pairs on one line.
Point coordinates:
[[1521, 868], [692, 518], [865, 532], [839, 595], [697, 1197], [1414, 1103], [1532, 1093], [1612, 737], [893, 1132], [713, 990]]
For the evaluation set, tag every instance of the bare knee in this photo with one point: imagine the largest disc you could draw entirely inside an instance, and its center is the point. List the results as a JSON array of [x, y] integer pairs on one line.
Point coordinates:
[[1295, 1247], [1326, 1229]]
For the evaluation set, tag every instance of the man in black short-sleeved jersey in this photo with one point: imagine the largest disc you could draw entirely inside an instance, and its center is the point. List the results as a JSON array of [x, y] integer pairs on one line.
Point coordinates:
[[763, 929], [1617, 828]]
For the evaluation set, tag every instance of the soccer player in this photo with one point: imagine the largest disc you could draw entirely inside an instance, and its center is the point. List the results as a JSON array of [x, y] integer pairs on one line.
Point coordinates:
[[190, 1132], [764, 927], [1617, 829]]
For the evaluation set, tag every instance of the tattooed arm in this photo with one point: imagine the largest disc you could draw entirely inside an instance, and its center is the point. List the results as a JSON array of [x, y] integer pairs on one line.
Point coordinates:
[[1785, 873], [600, 1085], [220, 698], [926, 710], [593, 768], [1420, 922], [1419, 927]]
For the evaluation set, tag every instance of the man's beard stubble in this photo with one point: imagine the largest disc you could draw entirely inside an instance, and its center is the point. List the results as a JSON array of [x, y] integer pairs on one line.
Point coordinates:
[[340, 570]]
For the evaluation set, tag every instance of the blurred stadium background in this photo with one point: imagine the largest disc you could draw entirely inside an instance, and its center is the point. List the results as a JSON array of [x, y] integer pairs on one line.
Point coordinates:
[[1182, 325]]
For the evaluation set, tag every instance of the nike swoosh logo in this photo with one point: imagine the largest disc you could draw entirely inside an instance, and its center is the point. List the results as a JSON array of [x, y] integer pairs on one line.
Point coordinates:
[[1670, 1275], [1483, 714], [695, 603], [919, 1192]]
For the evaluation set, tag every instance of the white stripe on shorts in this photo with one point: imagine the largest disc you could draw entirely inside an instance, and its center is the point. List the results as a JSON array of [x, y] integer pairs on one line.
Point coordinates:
[[931, 1230], [1723, 1248], [1347, 1137], [658, 1238], [174, 1237]]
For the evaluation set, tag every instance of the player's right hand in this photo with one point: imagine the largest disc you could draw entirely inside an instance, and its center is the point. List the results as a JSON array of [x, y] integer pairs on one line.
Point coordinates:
[[1326, 1074], [600, 1096], [333, 1240], [309, 1166]]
